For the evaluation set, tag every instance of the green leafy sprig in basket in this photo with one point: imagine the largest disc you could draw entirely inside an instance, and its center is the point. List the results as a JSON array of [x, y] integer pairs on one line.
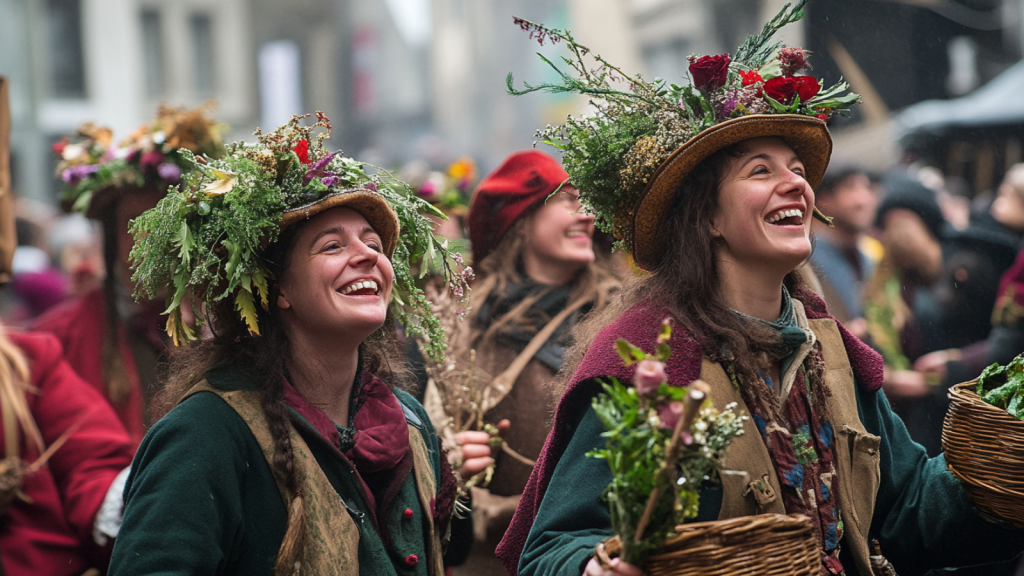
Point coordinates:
[[1003, 387], [204, 241], [663, 443]]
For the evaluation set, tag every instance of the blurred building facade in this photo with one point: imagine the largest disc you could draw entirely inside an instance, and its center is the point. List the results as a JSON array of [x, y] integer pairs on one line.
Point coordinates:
[[114, 61], [405, 79]]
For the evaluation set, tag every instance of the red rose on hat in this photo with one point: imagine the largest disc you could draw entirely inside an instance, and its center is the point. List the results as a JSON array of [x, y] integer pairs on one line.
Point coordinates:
[[710, 72], [785, 89], [522, 182], [750, 77]]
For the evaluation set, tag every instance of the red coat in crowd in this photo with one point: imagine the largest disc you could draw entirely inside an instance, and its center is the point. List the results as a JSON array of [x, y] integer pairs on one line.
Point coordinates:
[[52, 534], [81, 326]]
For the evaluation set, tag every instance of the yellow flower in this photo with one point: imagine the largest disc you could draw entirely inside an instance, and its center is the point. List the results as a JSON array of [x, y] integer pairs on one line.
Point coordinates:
[[223, 183], [462, 168]]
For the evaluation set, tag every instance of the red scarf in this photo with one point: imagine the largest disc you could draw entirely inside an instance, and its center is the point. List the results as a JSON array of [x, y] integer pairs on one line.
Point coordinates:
[[382, 436]]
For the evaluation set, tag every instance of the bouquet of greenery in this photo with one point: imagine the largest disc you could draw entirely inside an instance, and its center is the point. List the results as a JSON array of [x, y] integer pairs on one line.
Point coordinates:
[[663, 443], [1003, 387]]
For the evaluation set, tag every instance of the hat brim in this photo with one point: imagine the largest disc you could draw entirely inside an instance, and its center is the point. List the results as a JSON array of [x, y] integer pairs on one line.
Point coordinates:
[[806, 135], [103, 198], [371, 205]]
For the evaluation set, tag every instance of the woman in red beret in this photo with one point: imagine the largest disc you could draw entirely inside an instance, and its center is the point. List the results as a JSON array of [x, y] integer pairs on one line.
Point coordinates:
[[537, 275]]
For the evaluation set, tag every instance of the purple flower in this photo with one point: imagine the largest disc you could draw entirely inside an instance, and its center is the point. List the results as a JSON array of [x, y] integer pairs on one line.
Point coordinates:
[[329, 181], [75, 174], [649, 376], [427, 190], [318, 169], [169, 171], [728, 104], [371, 186]]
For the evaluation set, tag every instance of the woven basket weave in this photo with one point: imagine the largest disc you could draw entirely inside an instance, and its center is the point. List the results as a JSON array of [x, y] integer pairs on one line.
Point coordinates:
[[984, 448], [762, 545]]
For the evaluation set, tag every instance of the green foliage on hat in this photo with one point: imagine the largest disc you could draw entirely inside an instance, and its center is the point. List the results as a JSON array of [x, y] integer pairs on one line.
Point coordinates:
[[612, 153], [205, 240]]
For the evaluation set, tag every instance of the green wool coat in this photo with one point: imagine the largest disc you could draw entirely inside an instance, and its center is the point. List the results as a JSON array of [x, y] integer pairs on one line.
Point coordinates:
[[201, 499], [916, 533]]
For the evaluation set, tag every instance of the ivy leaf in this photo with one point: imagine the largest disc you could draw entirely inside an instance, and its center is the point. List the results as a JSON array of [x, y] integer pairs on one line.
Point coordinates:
[[246, 308], [778, 106], [663, 352], [629, 353], [82, 203]]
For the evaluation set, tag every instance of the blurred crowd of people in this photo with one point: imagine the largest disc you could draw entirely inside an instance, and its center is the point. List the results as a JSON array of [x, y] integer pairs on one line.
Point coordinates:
[[915, 267], [923, 272]]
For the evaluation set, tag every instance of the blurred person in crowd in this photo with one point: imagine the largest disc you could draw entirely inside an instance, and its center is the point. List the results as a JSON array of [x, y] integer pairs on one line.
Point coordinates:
[[950, 194], [113, 342], [537, 275], [78, 252], [36, 285], [65, 455], [897, 304], [964, 294], [844, 255], [1006, 335]]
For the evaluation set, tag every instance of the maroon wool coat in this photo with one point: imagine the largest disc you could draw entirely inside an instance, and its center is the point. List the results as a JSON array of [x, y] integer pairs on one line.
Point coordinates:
[[80, 324], [52, 535]]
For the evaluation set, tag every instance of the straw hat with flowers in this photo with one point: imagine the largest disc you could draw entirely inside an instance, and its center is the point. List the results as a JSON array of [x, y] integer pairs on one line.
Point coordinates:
[[630, 155]]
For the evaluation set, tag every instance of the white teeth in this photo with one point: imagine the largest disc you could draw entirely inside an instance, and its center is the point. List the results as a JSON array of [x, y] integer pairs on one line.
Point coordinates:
[[784, 214], [359, 286]]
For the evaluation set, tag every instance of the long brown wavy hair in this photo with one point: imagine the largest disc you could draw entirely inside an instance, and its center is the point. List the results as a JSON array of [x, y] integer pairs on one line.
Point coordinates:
[[686, 280]]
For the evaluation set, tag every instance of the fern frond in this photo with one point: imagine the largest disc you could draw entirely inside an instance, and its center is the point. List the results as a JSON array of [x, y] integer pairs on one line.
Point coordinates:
[[757, 48]]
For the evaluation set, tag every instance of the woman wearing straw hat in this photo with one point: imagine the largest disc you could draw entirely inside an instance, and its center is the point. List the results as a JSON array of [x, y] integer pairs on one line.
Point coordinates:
[[287, 448], [715, 199]]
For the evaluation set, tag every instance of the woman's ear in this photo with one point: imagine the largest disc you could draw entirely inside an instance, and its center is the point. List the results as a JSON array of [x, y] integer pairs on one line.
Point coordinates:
[[282, 300]]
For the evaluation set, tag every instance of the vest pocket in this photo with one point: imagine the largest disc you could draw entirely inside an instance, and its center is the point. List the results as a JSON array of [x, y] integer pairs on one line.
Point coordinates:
[[861, 485]]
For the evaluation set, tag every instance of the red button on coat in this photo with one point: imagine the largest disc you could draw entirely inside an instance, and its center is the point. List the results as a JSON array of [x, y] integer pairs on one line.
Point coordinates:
[[407, 514], [412, 559]]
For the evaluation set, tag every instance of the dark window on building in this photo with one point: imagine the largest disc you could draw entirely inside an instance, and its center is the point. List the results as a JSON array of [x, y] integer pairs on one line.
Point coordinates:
[[153, 51], [67, 62], [201, 30]]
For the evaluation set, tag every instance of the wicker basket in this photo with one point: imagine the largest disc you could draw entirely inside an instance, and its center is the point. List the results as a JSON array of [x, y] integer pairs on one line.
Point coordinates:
[[984, 448], [763, 545]]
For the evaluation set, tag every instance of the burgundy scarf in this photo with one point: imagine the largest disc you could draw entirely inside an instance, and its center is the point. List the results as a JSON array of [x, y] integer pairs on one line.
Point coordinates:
[[640, 325], [382, 436]]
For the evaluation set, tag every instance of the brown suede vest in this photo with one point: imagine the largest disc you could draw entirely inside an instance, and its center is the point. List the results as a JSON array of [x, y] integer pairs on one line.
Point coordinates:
[[751, 485], [332, 541]]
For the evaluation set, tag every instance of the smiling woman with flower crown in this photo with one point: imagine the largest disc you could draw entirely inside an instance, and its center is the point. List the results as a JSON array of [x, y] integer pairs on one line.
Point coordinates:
[[711, 188], [287, 449]]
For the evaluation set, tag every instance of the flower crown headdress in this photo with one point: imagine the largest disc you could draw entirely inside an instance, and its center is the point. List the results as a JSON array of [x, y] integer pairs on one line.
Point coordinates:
[[612, 155], [88, 163], [208, 236]]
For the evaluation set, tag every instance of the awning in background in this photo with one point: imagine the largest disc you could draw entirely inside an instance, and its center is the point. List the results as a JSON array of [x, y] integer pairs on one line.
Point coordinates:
[[998, 103]]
